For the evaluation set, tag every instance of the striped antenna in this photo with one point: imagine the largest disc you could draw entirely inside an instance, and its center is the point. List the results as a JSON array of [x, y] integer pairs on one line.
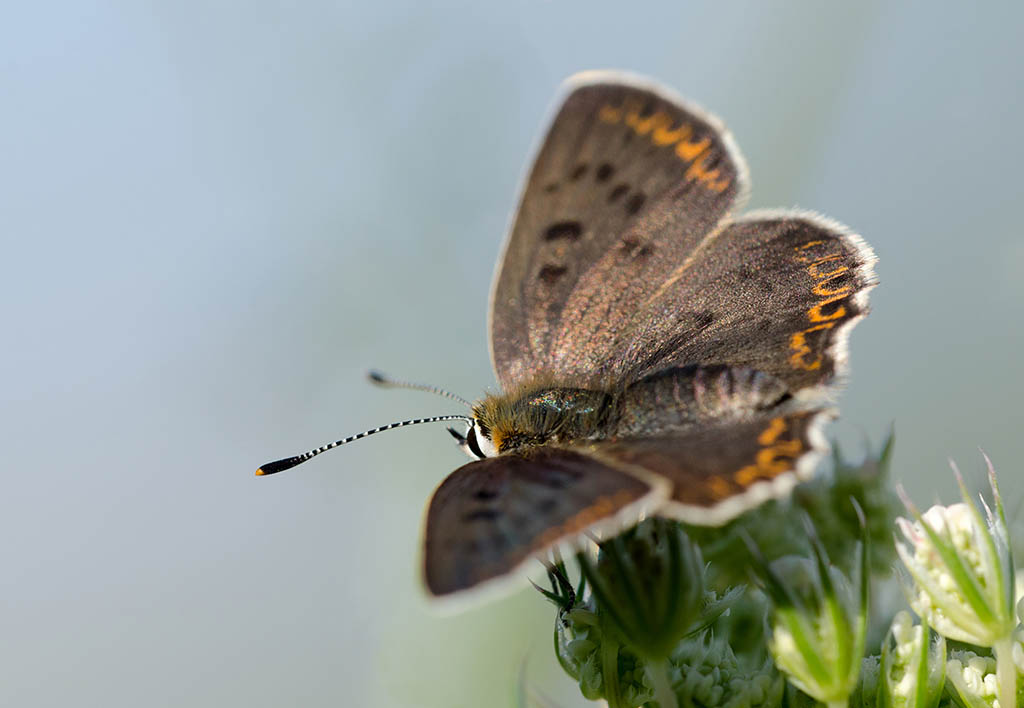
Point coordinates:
[[386, 381], [289, 462]]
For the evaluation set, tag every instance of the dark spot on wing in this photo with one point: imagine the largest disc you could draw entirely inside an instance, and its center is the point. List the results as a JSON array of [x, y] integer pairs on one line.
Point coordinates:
[[634, 249], [635, 203], [704, 318], [554, 480], [570, 230], [553, 187], [546, 506], [604, 172], [617, 192], [550, 273], [578, 172], [485, 494], [482, 515], [717, 158]]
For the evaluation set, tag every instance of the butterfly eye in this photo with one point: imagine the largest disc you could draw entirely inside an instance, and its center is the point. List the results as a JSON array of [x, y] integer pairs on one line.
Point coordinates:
[[473, 445], [479, 443]]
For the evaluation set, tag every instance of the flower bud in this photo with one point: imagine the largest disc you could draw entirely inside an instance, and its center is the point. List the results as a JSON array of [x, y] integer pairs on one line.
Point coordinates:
[[913, 666], [963, 584], [818, 623], [648, 587]]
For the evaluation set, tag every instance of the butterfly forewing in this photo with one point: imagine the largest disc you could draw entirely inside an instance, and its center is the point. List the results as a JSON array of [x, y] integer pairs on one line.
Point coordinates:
[[775, 292], [628, 182], [490, 516]]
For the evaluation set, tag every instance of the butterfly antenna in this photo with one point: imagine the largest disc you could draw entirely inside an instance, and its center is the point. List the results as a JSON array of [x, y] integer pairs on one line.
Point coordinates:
[[289, 462], [387, 382]]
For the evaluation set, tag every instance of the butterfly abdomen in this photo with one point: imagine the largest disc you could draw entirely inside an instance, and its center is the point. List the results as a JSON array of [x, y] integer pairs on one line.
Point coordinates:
[[682, 397]]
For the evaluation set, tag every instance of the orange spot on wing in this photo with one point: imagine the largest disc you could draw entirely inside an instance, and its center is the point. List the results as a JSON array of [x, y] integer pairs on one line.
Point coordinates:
[[600, 509], [809, 244], [814, 267], [610, 113], [774, 458], [689, 151], [658, 127], [662, 136], [798, 343], [822, 291], [826, 295], [642, 126], [815, 314], [770, 434], [699, 172], [719, 488]]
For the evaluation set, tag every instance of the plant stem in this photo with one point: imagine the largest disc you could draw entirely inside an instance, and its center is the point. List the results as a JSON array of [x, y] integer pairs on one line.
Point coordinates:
[[663, 693], [610, 673], [1006, 672]]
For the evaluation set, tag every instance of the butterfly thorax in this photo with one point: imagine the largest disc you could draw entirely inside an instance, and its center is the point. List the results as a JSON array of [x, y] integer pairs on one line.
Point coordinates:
[[542, 416]]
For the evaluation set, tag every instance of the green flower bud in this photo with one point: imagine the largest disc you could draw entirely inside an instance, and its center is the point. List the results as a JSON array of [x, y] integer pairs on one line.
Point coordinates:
[[866, 693], [818, 623], [706, 672], [648, 585]]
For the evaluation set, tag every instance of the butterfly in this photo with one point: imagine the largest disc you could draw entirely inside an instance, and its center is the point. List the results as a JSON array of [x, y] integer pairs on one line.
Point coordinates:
[[657, 353]]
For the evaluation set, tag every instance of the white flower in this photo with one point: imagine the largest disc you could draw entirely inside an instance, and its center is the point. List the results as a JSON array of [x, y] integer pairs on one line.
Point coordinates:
[[961, 572], [963, 586], [912, 665], [973, 679]]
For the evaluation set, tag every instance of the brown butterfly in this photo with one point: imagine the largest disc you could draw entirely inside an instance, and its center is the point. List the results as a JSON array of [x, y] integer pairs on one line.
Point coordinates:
[[658, 355]]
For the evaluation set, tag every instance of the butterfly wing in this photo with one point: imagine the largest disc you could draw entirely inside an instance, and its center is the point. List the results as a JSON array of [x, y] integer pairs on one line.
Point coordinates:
[[774, 291], [592, 290], [721, 470], [489, 517], [629, 181]]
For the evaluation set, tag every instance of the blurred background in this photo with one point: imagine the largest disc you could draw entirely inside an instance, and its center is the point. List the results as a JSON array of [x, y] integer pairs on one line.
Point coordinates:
[[216, 216]]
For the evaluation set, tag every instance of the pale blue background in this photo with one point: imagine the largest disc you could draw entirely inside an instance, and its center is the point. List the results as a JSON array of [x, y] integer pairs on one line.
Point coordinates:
[[216, 216]]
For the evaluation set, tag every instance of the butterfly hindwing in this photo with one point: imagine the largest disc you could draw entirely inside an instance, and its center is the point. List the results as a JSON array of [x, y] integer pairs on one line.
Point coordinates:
[[490, 516], [627, 183], [719, 471]]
